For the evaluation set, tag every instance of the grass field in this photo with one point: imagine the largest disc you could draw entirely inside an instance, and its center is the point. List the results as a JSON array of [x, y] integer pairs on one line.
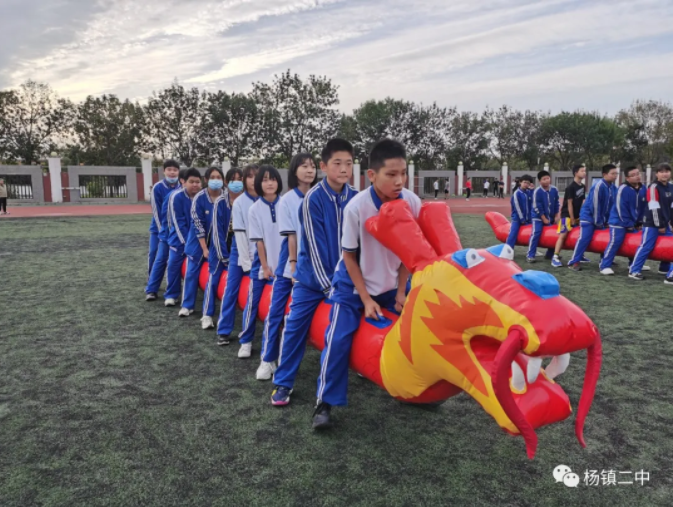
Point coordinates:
[[108, 400]]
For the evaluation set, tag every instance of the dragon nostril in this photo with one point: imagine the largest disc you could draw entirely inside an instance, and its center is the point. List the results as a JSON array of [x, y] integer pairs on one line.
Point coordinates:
[[540, 283]]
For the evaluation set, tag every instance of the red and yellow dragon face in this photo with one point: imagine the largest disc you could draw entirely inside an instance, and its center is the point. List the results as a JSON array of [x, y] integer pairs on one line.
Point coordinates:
[[474, 319]]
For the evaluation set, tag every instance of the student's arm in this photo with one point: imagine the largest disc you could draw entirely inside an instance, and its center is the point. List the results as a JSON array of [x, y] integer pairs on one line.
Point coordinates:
[[256, 236], [557, 205], [316, 236], [631, 210], [179, 219], [596, 202], [654, 208], [198, 219], [287, 224], [239, 225], [221, 218], [568, 197], [517, 206], [372, 309], [261, 253], [157, 203]]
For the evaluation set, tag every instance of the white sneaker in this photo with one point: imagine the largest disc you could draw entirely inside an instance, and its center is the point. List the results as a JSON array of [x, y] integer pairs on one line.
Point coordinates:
[[185, 312], [265, 371], [207, 322], [170, 302], [607, 271], [245, 350], [645, 268]]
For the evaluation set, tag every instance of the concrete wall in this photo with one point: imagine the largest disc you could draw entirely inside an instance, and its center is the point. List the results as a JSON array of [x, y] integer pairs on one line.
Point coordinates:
[[426, 178], [75, 171], [37, 182]]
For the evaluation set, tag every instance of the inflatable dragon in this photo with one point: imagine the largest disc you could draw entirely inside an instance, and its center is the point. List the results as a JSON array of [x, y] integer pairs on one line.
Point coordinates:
[[473, 322]]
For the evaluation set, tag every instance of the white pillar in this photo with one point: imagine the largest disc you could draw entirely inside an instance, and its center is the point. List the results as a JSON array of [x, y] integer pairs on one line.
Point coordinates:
[[505, 170], [146, 164], [55, 176], [356, 175], [459, 192], [226, 165], [648, 174], [411, 175]]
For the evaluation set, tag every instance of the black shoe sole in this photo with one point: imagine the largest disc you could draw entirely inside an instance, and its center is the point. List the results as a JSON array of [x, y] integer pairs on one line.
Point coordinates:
[[223, 343], [322, 426]]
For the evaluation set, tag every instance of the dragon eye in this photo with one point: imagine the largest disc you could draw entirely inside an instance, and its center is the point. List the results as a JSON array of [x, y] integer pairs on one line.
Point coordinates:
[[473, 258], [503, 251]]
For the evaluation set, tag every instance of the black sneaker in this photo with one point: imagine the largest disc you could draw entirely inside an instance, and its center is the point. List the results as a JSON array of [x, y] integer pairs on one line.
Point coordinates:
[[636, 276], [669, 280], [321, 419], [575, 267], [223, 339], [151, 296]]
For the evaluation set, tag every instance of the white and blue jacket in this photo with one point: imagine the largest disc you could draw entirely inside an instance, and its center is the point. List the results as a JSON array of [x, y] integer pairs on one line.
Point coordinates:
[[159, 193], [220, 227], [624, 212], [545, 203], [163, 232], [597, 205], [321, 228], [202, 223], [179, 218], [520, 202]]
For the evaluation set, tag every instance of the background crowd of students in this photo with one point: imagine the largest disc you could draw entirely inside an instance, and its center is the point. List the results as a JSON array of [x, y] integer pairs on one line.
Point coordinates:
[[310, 244], [627, 209]]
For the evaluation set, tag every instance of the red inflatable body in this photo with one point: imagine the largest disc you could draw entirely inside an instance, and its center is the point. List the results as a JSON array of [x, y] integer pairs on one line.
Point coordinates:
[[663, 249]]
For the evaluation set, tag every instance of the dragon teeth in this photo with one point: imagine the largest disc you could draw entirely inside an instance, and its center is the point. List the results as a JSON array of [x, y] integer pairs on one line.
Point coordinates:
[[558, 365], [518, 380], [533, 369]]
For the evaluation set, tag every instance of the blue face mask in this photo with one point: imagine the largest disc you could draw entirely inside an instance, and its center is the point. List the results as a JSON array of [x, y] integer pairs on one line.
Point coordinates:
[[215, 184], [236, 186], [172, 181]]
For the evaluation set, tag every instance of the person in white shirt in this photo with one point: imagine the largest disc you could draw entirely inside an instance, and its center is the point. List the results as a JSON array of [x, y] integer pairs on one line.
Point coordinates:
[[264, 235], [302, 175], [435, 185], [367, 278], [487, 184]]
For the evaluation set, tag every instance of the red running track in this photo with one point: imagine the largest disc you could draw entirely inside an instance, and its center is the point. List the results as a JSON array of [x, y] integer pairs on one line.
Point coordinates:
[[476, 206]]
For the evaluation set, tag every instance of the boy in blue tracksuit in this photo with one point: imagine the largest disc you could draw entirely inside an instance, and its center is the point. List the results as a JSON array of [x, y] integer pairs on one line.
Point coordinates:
[[656, 222], [545, 213], [321, 221], [520, 202], [200, 235], [368, 277], [161, 259], [179, 222], [595, 212], [623, 217], [157, 197]]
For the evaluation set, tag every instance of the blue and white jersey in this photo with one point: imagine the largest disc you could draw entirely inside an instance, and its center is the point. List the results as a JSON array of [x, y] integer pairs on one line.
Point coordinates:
[[599, 201], [180, 218], [520, 203], [239, 217], [321, 227], [165, 229], [642, 204], [220, 226], [159, 193], [624, 212], [263, 226], [379, 266], [545, 203], [289, 209], [202, 222]]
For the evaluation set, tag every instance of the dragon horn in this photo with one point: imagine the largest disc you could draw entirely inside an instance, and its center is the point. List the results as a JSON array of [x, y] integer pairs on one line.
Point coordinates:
[[499, 224], [437, 225], [396, 228], [594, 359]]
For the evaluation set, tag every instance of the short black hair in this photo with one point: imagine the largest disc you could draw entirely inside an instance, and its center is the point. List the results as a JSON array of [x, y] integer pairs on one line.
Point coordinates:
[[231, 174], [192, 172], [577, 167], [384, 150], [607, 168], [628, 170], [273, 174], [171, 163], [182, 175], [334, 145], [528, 178], [542, 174], [297, 160], [663, 167], [247, 171], [212, 169]]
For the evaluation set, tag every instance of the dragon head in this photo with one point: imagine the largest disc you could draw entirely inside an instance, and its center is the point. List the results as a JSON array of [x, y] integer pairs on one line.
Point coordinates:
[[474, 319]]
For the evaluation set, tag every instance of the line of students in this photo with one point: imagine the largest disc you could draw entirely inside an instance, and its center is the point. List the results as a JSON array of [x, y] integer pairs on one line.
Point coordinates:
[[311, 244], [624, 210]]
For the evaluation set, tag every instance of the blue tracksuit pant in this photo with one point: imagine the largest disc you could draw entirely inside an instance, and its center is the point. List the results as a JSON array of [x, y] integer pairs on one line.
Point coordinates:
[[176, 256], [154, 247], [282, 287], [235, 274], [255, 290], [617, 237], [586, 235], [514, 233], [535, 236], [158, 268], [191, 284], [215, 270], [650, 235], [295, 334], [345, 319]]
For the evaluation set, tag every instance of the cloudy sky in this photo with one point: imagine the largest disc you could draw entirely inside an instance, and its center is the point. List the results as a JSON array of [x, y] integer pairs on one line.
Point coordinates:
[[554, 54]]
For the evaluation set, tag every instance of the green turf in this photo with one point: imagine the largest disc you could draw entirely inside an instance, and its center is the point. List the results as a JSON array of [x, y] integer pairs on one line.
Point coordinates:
[[108, 400]]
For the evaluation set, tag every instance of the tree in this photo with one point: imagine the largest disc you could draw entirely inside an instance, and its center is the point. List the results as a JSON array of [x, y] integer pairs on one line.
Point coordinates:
[[231, 126], [514, 136], [296, 115], [174, 125], [468, 142], [32, 119], [107, 131], [648, 127]]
